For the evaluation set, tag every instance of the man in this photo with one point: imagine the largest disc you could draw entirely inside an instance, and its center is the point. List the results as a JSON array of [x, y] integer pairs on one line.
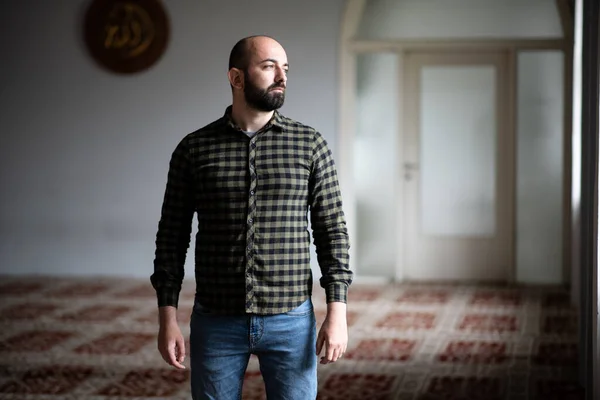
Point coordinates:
[[251, 176]]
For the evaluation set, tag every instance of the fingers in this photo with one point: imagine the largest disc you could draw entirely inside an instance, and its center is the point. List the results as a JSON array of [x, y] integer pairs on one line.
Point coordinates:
[[332, 353], [333, 344], [320, 341], [174, 349], [180, 350]]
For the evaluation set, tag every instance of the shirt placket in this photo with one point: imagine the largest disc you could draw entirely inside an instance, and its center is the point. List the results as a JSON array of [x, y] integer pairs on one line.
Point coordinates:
[[250, 222]]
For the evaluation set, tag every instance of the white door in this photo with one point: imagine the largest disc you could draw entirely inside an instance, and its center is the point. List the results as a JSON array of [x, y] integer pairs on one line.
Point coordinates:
[[458, 171]]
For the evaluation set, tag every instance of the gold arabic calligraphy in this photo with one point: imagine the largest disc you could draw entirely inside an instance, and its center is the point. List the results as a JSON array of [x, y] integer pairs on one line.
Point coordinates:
[[129, 30]]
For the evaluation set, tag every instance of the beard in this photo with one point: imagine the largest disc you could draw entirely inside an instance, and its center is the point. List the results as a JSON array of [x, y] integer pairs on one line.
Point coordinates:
[[263, 99]]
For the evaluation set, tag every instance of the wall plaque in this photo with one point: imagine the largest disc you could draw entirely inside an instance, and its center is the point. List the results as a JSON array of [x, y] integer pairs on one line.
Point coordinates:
[[126, 36]]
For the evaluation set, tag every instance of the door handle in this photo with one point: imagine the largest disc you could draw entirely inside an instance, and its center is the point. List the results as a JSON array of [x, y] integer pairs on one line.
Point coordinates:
[[409, 167]]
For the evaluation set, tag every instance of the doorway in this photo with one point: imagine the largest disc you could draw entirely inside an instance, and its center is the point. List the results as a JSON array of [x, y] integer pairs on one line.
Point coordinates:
[[458, 179]]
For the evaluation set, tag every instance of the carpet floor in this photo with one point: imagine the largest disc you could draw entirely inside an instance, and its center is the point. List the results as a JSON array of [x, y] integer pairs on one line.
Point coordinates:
[[72, 338]]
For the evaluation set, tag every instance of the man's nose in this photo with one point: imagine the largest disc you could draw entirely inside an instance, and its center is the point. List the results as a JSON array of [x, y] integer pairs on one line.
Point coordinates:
[[281, 76]]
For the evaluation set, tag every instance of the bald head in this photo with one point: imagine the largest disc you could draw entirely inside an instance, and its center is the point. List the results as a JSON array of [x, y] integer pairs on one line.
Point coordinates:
[[242, 51]]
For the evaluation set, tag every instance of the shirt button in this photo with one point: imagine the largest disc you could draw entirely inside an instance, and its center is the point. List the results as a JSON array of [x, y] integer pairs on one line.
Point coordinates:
[[252, 193], [250, 221]]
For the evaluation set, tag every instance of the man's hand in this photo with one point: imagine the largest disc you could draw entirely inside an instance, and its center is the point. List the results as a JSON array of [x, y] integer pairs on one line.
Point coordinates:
[[170, 340], [333, 334]]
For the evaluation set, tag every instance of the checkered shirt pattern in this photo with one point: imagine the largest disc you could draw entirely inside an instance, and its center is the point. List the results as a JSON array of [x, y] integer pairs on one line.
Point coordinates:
[[252, 198]]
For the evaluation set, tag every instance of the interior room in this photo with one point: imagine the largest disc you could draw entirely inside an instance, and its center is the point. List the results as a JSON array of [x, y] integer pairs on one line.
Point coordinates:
[[465, 136]]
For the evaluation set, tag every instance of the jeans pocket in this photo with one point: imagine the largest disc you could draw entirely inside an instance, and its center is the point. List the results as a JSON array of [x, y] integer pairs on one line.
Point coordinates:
[[303, 309]]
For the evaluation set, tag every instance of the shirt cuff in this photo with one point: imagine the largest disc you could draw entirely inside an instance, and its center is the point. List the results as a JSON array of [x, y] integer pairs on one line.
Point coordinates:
[[167, 297], [337, 292]]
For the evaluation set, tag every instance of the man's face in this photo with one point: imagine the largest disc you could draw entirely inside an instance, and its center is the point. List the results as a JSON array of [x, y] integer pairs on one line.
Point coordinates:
[[265, 78]]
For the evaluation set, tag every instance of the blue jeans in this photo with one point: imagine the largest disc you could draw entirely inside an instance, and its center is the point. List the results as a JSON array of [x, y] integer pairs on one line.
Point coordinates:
[[285, 344]]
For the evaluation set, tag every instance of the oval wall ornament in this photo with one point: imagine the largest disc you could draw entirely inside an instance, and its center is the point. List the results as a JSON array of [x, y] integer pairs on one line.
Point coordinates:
[[126, 36]]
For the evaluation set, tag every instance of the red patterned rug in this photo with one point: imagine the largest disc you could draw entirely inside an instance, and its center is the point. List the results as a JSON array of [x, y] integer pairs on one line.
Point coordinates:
[[95, 339]]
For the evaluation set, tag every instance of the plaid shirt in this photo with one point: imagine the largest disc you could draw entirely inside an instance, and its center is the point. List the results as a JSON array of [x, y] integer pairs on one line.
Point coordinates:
[[252, 197]]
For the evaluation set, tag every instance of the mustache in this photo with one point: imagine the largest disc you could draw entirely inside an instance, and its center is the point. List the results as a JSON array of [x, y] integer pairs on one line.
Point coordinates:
[[276, 86]]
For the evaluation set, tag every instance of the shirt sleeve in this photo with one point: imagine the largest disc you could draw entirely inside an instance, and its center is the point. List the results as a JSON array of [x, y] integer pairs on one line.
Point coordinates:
[[174, 229], [328, 224]]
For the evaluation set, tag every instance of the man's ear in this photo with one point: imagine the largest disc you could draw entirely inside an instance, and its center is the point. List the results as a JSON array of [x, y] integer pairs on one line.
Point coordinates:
[[236, 78]]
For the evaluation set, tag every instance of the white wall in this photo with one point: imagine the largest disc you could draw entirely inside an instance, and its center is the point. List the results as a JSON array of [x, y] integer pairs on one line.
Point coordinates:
[[84, 153], [426, 19]]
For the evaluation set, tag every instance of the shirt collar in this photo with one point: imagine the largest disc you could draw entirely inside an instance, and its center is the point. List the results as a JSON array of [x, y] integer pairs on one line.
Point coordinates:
[[275, 122]]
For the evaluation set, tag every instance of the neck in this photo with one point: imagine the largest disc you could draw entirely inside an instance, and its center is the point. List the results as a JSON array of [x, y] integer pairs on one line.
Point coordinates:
[[249, 119]]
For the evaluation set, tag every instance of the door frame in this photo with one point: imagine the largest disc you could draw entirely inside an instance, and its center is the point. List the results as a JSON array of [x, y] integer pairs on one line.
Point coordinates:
[[589, 323], [505, 184]]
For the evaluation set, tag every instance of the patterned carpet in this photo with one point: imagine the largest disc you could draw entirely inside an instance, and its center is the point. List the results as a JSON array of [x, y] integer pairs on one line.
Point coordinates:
[[95, 339]]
